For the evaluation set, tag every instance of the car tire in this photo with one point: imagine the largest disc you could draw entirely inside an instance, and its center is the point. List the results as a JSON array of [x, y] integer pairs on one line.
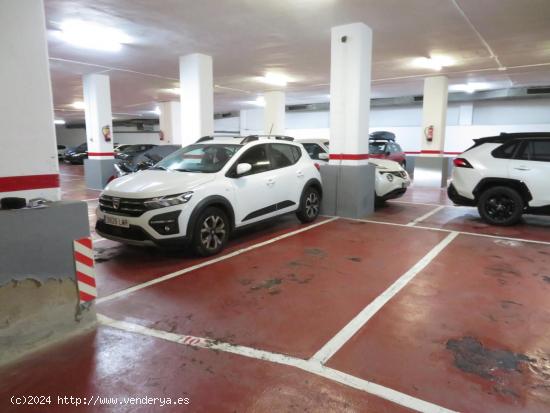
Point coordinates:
[[500, 205], [310, 205], [211, 232]]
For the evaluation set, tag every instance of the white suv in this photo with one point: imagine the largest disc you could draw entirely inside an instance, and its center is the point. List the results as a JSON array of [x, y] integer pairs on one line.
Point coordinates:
[[504, 176], [391, 181], [199, 194]]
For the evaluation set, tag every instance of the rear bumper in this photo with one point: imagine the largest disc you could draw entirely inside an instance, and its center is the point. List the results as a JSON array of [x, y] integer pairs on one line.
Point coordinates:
[[459, 199]]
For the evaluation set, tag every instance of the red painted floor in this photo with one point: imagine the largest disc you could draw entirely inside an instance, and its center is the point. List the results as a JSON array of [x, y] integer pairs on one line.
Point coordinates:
[[468, 333]]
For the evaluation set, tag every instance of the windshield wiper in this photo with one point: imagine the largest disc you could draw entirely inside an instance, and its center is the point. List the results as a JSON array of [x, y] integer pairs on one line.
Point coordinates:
[[187, 170]]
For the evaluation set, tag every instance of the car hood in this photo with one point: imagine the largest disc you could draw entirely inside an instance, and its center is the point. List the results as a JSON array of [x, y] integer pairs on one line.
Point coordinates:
[[385, 164], [153, 183]]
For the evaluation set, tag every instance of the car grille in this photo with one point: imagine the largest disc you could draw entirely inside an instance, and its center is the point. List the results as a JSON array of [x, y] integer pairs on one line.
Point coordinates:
[[126, 206]]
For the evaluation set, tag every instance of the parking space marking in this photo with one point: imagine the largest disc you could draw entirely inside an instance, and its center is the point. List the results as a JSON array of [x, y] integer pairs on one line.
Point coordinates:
[[310, 366], [394, 201], [475, 234], [427, 215], [342, 337], [210, 262]]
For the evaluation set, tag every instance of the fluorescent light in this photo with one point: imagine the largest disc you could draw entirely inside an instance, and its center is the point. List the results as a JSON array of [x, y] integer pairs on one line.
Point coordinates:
[[59, 122], [156, 111], [259, 101], [435, 62], [90, 35], [175, 91], [275, 79], [469, 87], [78, 104]]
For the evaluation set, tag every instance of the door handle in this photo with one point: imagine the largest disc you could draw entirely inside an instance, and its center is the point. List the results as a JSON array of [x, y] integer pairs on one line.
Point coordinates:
[[522, 168]]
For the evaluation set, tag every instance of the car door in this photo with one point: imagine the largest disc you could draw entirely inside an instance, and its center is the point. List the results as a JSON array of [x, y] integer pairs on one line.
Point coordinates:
[[254, 191], [532, 166], [288, 176]]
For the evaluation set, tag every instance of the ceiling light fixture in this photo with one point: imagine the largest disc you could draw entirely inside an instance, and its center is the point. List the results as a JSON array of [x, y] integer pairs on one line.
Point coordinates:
[[93, 36], [78, 104], [436, 62], [469, 87], [275, 79], [59, 122], [259, 101]]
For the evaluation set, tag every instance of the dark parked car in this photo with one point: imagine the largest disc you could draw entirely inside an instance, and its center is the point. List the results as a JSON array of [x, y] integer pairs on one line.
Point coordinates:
[[145, 160], [132, 151], [61, 151], [76, 155], [382, 146]]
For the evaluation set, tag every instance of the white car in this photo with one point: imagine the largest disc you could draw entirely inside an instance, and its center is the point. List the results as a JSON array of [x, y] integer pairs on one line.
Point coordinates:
[[391, 182], [199, 194], [504, 176]]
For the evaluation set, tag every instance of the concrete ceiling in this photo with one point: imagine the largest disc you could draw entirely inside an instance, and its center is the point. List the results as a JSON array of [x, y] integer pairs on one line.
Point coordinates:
[[248, 37]]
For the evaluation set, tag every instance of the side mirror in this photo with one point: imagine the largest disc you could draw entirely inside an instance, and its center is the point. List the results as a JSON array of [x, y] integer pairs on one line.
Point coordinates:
[[243, 168], [323, 156]]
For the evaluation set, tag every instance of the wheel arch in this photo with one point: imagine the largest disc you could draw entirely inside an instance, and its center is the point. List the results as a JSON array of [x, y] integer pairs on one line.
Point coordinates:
[[211, 201], [515, 184]]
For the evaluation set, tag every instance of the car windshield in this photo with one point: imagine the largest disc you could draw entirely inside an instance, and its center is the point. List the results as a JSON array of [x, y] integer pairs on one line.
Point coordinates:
[[377, 148], [135, 149], [199, 158]]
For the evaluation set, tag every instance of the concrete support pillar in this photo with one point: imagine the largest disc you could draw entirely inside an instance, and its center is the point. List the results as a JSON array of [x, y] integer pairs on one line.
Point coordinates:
[[170, 123], [274, 113], [98, 168], [28, 159], [434, 114], [348, 179], [431, 167], [197, 97]]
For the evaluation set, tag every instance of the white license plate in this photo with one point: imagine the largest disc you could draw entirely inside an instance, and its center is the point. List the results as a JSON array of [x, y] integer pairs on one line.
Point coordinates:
[[116, 221]]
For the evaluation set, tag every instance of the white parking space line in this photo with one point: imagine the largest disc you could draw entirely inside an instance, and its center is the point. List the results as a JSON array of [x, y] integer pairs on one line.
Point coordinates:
[[336, 343], [475, 234], [394, 201], [88, 200], [423, 217], [210, 262], [309, 366]]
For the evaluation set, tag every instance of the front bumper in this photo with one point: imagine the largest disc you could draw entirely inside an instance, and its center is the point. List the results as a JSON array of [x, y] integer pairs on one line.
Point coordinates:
[[386, 189], [135, 235]]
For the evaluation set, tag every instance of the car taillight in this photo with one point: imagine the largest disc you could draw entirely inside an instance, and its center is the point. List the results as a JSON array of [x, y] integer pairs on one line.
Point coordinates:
[[317, 166], [462, 163]]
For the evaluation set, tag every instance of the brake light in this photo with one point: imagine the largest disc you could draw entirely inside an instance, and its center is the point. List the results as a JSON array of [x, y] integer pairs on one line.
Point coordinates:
[[317, 166], [462, 163]]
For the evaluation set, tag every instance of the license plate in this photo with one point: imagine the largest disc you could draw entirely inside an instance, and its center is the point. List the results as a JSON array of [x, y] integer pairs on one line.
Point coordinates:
[[116, 221]]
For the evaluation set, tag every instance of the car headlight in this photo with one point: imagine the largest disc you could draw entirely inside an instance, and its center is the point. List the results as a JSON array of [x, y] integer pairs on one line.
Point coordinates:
[[168, 200], [389, 177]]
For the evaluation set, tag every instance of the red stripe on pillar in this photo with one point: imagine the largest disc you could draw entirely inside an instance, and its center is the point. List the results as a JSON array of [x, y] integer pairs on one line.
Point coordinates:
[[81, 258], [101, 153], [432, 152], [349, 156], [85, 296], [87, 242], [86, 279], [28, 182]]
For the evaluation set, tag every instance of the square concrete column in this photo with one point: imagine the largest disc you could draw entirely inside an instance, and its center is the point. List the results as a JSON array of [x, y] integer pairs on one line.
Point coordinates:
[[170, 123], [98, 168], [197, 97], [348, 179], [28, 160], [431, 167], [274, 113]]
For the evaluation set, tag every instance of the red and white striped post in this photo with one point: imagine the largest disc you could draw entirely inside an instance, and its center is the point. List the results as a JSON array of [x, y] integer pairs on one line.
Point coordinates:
[[85, 271]]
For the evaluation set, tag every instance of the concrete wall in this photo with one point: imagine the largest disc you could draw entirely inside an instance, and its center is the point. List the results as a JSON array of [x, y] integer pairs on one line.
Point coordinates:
[[465, 121], [39, 300], [71, 137]]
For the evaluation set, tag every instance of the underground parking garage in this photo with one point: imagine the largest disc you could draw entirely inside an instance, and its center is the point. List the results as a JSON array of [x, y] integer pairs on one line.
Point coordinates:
[[283, 206]]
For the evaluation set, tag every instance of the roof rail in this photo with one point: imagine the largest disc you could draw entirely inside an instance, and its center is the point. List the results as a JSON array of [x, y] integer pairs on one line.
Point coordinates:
[[251, 138], [212, 137], [382, 136]]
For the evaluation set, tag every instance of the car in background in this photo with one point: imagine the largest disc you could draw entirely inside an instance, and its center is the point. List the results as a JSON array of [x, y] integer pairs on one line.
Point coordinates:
[[505, 176], [120, 147], [76, 155], [391, 182], [382, 145], [61, 151], [144, 160], [132, 151], [201, 193]]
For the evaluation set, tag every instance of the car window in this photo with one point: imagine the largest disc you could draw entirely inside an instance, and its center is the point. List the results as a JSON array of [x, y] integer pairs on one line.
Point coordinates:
[[199, 158], [60, 147], [284, 155], [313, 150], [256, 156], [397, 148], [377, 148], [540, 150], [506, 151]]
